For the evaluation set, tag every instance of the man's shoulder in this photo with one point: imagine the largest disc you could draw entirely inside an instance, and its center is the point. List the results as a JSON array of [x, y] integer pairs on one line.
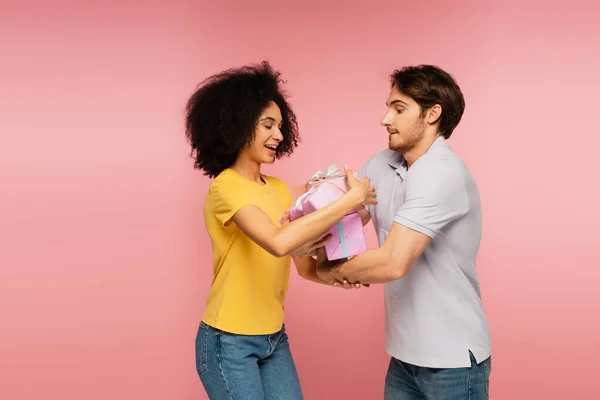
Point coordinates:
[[379, 162], [438, 172], [441, 160], [383, 156]]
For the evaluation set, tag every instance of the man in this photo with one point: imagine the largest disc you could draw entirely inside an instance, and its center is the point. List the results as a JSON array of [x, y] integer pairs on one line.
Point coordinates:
[[428, 222]]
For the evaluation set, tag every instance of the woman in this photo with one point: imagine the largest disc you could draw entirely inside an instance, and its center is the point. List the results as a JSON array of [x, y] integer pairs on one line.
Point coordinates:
[[236, 121]]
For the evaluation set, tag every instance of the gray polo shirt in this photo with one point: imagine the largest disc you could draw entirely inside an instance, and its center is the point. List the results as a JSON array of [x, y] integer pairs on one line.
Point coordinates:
[[434, 314]]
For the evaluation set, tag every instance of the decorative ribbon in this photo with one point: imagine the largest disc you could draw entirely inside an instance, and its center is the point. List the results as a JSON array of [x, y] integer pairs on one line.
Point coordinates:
[[331, 171], [342, 239], [299, 200]]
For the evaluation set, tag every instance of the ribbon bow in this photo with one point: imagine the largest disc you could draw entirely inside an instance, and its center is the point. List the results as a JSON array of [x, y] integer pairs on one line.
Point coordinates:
[[298, 204], [331, 171]]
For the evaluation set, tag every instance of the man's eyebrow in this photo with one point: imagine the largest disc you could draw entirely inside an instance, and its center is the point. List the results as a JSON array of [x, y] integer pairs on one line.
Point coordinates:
[[396, 101]]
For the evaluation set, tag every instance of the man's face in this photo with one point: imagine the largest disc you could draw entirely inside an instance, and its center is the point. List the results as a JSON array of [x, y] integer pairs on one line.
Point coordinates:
[[404, 121]]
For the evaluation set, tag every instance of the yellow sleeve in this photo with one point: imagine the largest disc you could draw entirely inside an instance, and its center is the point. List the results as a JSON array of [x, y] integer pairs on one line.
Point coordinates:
[[284, 192], [289, 199], [228, 196]]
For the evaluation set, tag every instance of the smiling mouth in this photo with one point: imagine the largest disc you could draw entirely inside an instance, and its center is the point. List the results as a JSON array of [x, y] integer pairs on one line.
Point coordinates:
[[271, 147]]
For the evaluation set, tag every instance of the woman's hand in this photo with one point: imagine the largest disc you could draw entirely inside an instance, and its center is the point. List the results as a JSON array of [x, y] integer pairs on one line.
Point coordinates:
[[362, 189], [308, 249]]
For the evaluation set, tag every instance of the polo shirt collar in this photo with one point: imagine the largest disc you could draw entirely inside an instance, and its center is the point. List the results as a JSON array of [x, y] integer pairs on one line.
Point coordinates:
[[398, 162]]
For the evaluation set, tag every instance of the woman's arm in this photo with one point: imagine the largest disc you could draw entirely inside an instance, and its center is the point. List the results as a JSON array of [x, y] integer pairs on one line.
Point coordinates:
[[306, 265], [281, 241], [307, 269]]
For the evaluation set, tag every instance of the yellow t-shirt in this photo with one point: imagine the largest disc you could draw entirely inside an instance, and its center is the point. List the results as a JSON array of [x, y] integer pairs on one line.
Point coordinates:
[[249, 284]]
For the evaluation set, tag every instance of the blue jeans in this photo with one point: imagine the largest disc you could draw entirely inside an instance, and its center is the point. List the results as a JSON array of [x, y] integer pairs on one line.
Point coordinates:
[[409, 382], [248, 367]]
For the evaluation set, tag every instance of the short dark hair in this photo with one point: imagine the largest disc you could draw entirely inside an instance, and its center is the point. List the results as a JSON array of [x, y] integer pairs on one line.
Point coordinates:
[[429, 85], [221, 116]]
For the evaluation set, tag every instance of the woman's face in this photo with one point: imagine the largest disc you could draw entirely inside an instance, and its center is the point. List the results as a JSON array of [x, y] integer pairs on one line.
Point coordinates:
[[267, 135]]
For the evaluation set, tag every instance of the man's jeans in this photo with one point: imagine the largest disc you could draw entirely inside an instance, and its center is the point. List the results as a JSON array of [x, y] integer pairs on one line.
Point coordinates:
[[249, 367], [409, 382]]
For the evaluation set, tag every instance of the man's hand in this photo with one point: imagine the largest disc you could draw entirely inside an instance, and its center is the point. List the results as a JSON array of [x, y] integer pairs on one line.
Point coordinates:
[[325, 268], [328, 272], [309, 249]]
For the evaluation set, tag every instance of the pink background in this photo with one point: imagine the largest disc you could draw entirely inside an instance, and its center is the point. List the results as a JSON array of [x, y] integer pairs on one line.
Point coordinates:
[[105, 264]]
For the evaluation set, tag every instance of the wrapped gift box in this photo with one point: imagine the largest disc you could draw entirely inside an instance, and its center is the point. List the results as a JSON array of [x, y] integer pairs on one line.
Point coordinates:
[[348, 234]]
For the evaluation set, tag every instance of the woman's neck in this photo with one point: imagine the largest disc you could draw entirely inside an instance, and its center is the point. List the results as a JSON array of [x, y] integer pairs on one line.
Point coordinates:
[[248, 168]]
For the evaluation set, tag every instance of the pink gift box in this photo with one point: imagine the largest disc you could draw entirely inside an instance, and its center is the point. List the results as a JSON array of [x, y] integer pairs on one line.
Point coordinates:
[[348, 238], [318, 197], [339, 180], [348, 235], [332, 176]]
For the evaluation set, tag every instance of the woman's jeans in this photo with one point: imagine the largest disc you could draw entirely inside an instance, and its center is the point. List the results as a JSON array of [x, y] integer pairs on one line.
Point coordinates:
[[249, 367]]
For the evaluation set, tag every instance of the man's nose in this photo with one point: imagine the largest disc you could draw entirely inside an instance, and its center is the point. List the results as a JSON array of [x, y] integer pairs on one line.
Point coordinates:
[[387, 119]]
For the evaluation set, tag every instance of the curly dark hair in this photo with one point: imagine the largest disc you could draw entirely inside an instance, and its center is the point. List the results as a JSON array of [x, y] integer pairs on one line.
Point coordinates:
[[222, 115]]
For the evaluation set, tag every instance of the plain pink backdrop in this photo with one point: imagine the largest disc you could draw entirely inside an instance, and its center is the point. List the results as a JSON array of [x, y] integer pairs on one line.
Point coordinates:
[[105, 264]]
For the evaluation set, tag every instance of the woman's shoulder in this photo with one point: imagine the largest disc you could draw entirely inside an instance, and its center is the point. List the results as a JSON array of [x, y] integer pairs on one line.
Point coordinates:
[[280, 187], [225, 185], [275, 182], [226, 177], [229, 179]]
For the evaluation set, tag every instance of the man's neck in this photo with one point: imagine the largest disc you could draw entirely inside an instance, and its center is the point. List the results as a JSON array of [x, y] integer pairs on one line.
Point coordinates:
[[420, 148]]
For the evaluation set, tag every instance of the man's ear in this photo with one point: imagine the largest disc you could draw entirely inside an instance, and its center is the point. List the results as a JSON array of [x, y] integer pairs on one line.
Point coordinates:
[[434, 114]]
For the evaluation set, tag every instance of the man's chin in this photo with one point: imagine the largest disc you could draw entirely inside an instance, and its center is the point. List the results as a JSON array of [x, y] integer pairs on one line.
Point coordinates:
[[392, 145], [399, 148]]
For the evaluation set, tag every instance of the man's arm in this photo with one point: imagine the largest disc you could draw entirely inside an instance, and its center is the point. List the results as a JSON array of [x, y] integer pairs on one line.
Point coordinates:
[[307, 269], [391, 261], [365, 216], [434, 197]]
